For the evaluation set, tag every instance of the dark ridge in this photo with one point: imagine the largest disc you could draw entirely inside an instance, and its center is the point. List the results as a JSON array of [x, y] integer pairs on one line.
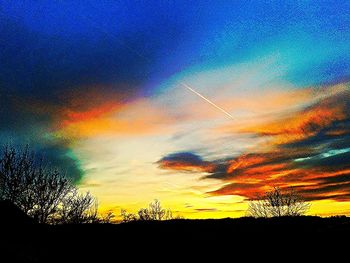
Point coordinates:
[[176, 239], [11, 214]]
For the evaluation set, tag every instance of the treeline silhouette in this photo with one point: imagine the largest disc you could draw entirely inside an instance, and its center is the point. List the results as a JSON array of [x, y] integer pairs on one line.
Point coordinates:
[[154, 212], [42, 192]]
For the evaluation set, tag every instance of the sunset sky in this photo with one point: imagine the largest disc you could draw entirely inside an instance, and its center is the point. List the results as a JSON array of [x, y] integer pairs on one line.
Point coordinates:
[[98, 88]]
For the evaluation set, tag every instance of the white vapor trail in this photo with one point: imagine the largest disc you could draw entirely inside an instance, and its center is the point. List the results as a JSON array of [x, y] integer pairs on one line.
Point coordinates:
[[147, 59], [206, 99]]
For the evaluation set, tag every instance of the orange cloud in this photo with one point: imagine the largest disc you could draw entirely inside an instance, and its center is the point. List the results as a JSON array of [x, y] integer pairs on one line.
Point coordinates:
[[181, 166], [305, 123], [301, 125], [89, 104], [311, 184], [244, 161], [135, 118], [288, 112], [104, 112], [308, 150], [70, 117]]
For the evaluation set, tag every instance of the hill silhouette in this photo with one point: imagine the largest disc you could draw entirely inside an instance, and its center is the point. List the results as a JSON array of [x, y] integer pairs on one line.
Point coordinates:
[[12, 215], [98, 242]]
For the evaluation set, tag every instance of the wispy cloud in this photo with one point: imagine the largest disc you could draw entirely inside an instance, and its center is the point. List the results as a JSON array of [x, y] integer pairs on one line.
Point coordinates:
[[308, 150]]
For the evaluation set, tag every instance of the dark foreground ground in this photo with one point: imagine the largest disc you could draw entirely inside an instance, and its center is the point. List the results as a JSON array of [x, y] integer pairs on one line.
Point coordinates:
[[177, 240]]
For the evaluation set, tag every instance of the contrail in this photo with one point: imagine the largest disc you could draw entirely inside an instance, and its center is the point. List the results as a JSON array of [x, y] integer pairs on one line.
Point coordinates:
[[147, 59], [207, 100]]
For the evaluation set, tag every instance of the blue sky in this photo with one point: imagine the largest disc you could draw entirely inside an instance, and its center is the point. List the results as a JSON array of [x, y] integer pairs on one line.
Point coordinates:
[[94, 86]]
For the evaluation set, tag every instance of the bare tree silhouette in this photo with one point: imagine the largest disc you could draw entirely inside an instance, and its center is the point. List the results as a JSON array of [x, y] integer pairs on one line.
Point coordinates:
[[78, 208], [42, 193], [156, 211], [276, 203]]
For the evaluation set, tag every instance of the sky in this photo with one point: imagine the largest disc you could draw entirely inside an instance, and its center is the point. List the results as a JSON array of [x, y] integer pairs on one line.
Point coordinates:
[[203, 105]]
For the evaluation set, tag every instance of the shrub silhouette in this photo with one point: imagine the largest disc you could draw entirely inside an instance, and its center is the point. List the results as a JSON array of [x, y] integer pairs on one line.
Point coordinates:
[[42, 193], [277, 203], [154, 212], [107, 218], [127, 217]]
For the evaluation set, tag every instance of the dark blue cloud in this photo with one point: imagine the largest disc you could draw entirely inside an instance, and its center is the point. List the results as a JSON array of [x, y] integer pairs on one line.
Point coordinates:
[[44, 65], [189, 161], [337, 161], [183, 158], [50, 49]]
